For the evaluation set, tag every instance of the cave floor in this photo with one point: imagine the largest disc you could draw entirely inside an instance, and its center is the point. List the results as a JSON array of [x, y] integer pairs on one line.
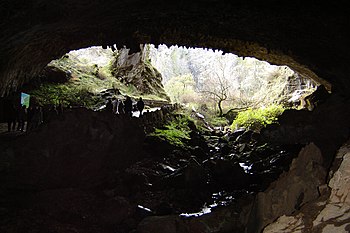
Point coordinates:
[[177, 182]]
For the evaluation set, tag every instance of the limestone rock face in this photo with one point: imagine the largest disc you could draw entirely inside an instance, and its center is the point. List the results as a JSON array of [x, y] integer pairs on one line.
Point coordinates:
[[293, 189], [136, 70], [335, 216], [287, 224], [328, 214]]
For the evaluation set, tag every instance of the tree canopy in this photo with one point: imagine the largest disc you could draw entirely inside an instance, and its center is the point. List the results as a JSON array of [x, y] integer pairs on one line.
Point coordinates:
[[224, 77]]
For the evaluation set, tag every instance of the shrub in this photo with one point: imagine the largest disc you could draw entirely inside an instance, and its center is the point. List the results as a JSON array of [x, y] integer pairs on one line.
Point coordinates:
[[256, 119], [53, 94], [216, 121], [176, 131]]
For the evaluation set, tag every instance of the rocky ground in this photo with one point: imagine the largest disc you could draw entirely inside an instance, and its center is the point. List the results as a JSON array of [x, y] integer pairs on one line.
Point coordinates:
[[83, 173], [97, 172]]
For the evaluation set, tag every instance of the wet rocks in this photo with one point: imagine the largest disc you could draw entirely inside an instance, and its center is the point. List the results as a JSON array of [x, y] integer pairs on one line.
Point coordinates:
[[124, 187], [220, 220], [230, 167], [191, 176], [242, 163]]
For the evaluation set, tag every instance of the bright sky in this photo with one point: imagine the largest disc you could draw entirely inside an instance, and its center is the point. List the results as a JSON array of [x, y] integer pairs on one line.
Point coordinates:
[[93, 55]]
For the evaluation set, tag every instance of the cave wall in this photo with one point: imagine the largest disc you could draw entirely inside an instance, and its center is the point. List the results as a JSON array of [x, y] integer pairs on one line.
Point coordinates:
[[311, 38]]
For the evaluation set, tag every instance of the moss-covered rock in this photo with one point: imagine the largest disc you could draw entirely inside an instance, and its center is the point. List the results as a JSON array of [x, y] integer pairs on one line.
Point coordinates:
[[176, 132]]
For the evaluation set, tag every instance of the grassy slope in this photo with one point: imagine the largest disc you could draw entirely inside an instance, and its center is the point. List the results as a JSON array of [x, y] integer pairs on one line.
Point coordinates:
[[85, 84]]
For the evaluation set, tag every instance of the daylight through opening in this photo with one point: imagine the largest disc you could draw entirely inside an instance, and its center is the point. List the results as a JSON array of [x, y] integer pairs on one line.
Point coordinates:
[[213, 84]]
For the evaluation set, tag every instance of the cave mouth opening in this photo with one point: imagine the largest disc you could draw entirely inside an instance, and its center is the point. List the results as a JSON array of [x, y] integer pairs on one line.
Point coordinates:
[[214, 85], [231, 167], [200, 78]]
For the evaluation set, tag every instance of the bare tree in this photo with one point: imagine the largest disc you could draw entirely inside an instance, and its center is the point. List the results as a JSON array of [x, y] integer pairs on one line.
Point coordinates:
[[217, 85], [226, 79]]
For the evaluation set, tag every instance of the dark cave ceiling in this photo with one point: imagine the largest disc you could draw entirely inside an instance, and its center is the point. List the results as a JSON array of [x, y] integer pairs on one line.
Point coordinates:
[[311, 38]]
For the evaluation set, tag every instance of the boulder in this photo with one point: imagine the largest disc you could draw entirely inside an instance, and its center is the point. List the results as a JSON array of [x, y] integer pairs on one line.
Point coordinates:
[[292, 189], [331, 211]]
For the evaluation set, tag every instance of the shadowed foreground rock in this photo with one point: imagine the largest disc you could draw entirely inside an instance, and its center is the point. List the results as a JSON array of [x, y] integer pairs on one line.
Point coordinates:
[[327, 126], [83, 149], [221, 220], [293, 189], [90, 171]]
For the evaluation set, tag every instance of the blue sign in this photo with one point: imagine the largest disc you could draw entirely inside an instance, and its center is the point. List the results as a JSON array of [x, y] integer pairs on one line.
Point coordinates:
[[25, 99]]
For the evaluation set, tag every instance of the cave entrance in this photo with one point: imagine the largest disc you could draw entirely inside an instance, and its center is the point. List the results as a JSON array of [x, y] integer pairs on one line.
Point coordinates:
[[195, 169], [220, 83], [217, 85]]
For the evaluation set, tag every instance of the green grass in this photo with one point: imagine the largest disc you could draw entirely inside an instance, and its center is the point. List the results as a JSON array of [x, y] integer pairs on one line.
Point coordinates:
[[216, 121], [256, 119], [82, 89], [86, 83]]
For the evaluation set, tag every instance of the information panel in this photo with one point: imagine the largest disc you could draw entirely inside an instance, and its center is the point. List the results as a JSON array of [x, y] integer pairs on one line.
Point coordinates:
[[25, 99]]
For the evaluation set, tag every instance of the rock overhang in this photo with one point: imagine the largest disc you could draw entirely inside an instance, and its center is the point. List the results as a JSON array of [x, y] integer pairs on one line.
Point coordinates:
[[309, 38]]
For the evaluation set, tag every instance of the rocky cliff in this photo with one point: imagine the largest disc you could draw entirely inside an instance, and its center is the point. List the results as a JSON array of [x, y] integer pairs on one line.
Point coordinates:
[[137, 71]]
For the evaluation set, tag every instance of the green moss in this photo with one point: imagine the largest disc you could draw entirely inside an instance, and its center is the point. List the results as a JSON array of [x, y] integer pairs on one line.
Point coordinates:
[[217, 121], [256, 119], [176, 132], [53, 94]]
